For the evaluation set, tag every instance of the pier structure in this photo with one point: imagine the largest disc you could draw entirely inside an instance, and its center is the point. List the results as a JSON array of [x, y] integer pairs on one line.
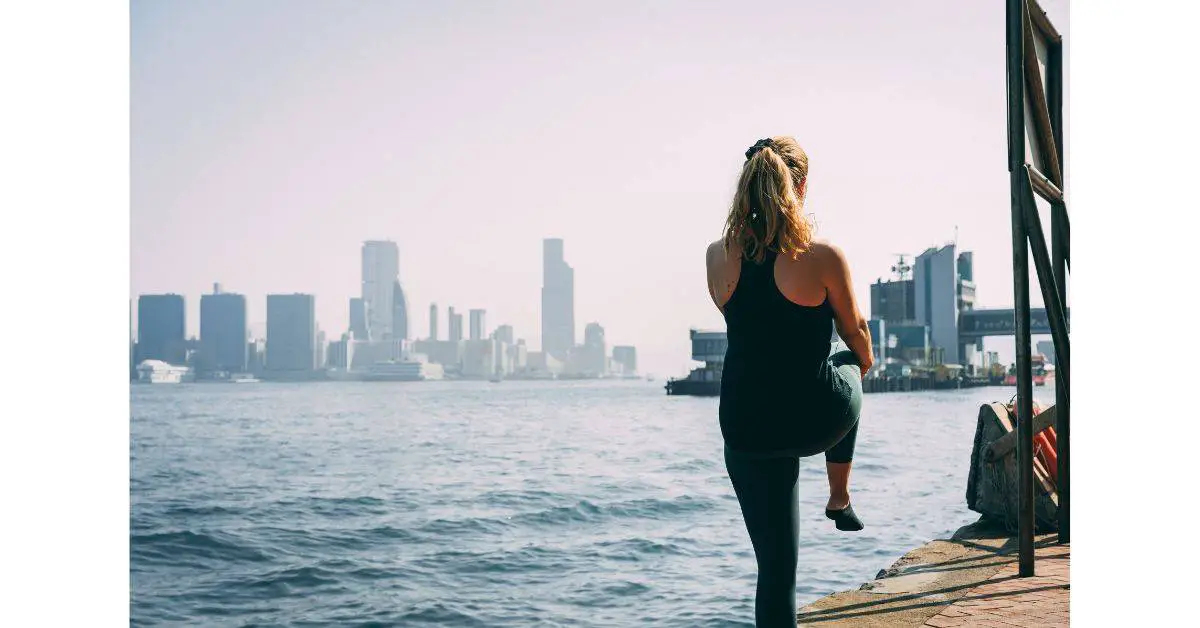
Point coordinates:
[[1036, 161], [983, 575], [967, 580]]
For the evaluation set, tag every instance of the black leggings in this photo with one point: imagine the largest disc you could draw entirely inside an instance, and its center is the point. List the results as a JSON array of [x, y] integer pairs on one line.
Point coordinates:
[[767, 491]]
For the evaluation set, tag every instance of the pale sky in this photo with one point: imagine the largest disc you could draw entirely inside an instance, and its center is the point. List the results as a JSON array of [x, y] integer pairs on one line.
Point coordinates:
[[271, 138]]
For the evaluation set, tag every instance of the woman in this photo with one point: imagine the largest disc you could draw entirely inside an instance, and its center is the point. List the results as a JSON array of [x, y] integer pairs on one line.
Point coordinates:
[[783, 395]]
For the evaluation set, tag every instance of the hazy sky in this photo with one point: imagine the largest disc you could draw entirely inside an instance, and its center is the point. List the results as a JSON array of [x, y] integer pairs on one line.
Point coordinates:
[[270, 138]]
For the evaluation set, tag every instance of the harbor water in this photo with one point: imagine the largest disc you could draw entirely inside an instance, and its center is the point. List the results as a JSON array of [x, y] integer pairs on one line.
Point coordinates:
[[590, 503]]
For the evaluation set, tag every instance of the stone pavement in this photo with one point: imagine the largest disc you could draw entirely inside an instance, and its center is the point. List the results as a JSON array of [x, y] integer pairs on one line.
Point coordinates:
[[1041, 601], [969, 579]]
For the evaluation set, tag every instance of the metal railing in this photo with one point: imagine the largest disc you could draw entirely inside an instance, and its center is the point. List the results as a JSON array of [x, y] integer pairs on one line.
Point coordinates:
[[1035, 114]]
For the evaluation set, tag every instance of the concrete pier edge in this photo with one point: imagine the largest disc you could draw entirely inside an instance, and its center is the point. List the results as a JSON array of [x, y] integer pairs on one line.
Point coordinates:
[[925, 581]]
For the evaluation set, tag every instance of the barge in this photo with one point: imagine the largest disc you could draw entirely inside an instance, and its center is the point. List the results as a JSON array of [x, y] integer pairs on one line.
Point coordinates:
[[707, 347]]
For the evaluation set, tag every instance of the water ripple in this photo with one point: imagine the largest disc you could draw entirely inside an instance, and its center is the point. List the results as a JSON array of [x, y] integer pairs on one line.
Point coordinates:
[[527, 504]]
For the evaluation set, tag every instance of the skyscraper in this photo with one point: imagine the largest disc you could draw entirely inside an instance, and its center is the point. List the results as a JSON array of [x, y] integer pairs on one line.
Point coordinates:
[[320, 349], [223, 331], [594, 350], [380, 271], [936, 286], [358, 319], [626, 356], [161, 329], [456, 330], [478, 324], [558, 300], [433, 321], [893, 301], [504, 333], [399, 313], [291, 334]]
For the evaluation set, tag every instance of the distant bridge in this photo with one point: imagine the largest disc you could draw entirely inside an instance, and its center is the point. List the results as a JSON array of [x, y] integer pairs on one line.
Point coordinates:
[[976, 324]]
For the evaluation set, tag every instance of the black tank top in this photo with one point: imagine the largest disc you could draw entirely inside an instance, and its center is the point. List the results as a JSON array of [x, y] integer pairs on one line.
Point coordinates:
[[777, 384]]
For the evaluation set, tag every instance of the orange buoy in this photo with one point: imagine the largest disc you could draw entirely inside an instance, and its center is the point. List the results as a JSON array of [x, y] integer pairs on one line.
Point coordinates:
[[1046, 454]]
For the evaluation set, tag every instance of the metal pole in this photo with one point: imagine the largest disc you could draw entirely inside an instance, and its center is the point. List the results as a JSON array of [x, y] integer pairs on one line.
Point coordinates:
[[1056, 314], [1058, 242], [1061, 392], [1025, 511], [1018, 179]]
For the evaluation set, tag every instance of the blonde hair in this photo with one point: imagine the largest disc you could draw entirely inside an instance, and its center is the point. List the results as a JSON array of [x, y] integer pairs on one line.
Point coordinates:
[[767, 211]]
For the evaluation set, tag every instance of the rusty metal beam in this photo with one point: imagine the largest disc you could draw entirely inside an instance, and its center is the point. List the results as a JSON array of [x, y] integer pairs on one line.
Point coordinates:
[[1047, 147], [1043, 186], [1055, 311], [1042, 21]]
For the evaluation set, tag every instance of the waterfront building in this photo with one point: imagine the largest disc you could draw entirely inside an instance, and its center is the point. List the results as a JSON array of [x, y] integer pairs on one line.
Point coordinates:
[[911, 343], [504, 333], [358, 319], [368, 352], [448, 353], [966, 266], [291, 335], [456, 325], [433, 321], [478, 324], [558, 301], [321, 348], [1046, 348], [519, 357], [256, 356], [480, 358], [223, 332], [341, 353], [590, 358], [893, 301], [380, 272], [626, 357], [879, 340], [936, 285], [542, 364], [161, 329], [399, 312], [969, 354]]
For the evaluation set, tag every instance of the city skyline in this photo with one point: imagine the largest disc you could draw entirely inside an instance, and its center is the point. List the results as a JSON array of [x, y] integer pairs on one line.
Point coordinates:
[[224, 315], [626, 143], [475, 328]]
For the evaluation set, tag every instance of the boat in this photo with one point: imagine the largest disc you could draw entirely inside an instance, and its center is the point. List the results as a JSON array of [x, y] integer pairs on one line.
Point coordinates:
[[403, 371], [1043, 372], [701, 382], [707, 347], [159, 372], [1043, 376]]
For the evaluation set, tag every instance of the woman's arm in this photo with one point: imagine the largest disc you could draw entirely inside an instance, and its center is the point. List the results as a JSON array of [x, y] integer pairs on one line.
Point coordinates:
[[720, 279], [851, 325]]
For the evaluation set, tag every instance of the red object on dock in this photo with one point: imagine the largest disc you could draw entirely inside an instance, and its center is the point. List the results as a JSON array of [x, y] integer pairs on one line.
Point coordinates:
[[1046, 452]]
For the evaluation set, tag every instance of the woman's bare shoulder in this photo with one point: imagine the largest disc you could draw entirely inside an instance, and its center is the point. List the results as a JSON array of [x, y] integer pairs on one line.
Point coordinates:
[[717, 253], [824, 248], [825, 258], [827, 252]]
